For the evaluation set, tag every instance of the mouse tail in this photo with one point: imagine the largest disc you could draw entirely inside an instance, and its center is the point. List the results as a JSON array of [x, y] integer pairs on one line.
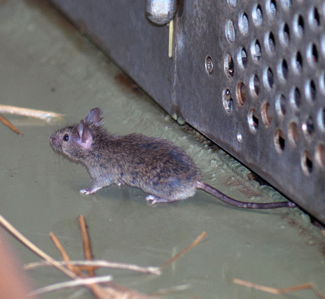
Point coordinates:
[[240, 204]]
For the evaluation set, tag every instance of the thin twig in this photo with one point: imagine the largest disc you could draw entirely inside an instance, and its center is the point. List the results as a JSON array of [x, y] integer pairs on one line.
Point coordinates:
[[72, 283], [86, 243], [279, 291], [40, 114], [96, 289], [63, 252], [100, 263], [178, 255], [10, 125]]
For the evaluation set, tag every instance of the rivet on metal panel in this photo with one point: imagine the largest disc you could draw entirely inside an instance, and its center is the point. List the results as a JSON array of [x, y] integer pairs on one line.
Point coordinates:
[[239, 137], [227, 100], [208, 64], [279, 141], [320, 155], [160, 12], [293, 134], [306, 163]]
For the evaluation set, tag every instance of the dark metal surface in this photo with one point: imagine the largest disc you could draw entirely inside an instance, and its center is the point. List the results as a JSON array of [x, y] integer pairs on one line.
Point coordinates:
[[247, 74]]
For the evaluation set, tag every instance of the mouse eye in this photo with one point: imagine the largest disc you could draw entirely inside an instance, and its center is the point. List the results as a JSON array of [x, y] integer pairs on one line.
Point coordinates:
[[66, 137]]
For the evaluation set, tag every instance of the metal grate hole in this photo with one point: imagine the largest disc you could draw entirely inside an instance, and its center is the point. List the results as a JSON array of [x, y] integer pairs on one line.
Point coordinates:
[[232, 3], [256, 50], [254, 86], [312, 54], [297, 62], [308, 126], [257, 15], [242, 58], [228, 66], [320, 155], [271, 8], [295, 97], [310, 91], [299, 25], [293, 134], [208, 64], [230, 31], [321, 119], [284, 34], [279, 141], [314, 19], [280, 105], [286, 4], [227, 100], [266, 114], [306, 163], [243, 23], [241, 93], [252, 119], [270, 43], [283, 70]]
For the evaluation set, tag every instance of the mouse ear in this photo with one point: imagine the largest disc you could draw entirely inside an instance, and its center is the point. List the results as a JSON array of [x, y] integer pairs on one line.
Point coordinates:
[[85, 137], [94, 116]]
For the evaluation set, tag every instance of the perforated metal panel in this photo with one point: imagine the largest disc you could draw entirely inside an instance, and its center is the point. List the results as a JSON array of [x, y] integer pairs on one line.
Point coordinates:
[[274, 64], [248, 74]]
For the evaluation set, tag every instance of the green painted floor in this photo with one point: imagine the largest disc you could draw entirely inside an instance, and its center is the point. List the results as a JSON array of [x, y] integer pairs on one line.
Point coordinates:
[[46, 64]]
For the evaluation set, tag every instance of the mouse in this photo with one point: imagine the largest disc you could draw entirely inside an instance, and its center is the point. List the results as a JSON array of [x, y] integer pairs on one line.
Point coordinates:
[[158, 167]]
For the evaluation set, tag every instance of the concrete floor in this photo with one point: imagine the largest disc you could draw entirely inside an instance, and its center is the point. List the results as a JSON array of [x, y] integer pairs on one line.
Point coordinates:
[[46, 64]]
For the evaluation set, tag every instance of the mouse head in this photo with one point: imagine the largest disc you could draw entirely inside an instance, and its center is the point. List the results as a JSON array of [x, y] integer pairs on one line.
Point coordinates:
[[75, 141]]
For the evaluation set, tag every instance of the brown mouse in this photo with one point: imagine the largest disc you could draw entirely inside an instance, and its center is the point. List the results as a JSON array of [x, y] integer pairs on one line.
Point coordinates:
[[156, 166]]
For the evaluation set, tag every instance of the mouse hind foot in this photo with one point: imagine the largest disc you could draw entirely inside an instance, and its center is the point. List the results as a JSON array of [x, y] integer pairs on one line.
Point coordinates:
[[155, 199], [88, 191]]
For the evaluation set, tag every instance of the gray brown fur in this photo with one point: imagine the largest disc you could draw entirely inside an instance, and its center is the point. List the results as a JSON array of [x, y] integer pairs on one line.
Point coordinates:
[[156, 166]]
